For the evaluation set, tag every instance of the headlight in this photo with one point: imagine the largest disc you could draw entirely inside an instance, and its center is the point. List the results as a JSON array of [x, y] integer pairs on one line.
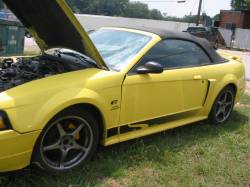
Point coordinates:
[[4, 121]]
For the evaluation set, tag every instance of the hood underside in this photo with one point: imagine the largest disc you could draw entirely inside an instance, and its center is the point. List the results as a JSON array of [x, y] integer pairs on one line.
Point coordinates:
[[53, 24]]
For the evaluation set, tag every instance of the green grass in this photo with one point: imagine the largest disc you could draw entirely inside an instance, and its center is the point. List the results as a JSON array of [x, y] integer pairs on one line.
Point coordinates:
[[195, 155]]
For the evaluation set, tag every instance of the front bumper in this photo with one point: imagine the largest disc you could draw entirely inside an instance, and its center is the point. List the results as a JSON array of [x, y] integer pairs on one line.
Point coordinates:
[[16, 149]]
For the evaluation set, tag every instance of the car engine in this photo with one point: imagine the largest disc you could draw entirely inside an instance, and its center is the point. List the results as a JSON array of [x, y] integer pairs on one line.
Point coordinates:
[[13, 74]]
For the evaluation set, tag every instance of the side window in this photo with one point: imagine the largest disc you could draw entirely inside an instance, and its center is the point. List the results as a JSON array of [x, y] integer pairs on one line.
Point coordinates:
[[176, 54]]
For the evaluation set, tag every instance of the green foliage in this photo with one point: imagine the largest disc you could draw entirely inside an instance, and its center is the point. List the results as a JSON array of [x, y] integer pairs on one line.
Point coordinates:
[[172, 18], [186, 18], [207, 20], [107, 7], [156, 14], [123, 8], [189, 18], [137, 10], [114, 8], [216, 17], [240, 4], [248, 4]]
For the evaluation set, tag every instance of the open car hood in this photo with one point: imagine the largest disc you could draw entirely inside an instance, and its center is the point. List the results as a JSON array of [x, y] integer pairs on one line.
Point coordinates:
[[53, 24]]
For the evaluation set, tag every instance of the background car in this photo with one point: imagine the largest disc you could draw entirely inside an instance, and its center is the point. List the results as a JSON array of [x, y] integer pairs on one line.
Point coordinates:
[[212, 34]]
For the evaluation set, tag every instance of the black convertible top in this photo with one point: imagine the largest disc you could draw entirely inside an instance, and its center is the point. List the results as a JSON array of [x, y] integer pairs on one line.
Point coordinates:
[[167, 34]]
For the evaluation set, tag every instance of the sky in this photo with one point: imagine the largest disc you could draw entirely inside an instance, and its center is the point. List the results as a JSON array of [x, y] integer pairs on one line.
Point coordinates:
[[172, 8]]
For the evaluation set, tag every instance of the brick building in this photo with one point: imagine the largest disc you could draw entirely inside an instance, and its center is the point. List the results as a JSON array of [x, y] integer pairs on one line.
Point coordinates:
[[241, 19]]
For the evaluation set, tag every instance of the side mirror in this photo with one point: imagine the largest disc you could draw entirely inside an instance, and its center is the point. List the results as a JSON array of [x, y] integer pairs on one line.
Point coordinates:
[[150, 67]]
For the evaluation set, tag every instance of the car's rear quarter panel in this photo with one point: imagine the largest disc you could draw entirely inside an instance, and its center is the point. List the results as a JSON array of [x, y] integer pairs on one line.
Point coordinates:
[[223, 74]]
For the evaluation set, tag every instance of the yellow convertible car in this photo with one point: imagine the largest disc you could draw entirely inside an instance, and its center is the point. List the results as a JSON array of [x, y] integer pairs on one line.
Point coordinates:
[[112, 85]]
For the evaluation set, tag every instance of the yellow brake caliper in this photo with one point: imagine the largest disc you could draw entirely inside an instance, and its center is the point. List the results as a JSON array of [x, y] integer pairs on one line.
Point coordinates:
[[72, 126]]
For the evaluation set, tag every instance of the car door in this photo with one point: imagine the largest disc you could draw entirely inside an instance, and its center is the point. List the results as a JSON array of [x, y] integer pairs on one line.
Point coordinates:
[[180, 88], [191, 61]]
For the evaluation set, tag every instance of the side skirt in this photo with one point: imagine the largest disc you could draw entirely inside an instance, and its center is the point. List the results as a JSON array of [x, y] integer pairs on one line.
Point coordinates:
[[146, 128]]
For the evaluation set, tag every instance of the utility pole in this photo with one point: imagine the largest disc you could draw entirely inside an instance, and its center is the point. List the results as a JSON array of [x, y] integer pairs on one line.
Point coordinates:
[[199, 13]]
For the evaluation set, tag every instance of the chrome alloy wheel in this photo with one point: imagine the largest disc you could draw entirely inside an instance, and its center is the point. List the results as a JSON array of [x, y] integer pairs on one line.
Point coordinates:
[[66, 143], [224, 106]]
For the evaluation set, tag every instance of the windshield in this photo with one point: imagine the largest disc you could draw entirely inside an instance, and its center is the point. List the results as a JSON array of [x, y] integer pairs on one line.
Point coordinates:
[[118, 48]]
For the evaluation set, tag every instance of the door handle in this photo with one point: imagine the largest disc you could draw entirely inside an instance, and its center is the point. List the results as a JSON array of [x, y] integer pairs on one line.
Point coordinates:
[[197, 77]]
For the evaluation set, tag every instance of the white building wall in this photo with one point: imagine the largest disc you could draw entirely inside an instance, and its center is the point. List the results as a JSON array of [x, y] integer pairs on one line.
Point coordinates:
[[91, 22], [242, 38]]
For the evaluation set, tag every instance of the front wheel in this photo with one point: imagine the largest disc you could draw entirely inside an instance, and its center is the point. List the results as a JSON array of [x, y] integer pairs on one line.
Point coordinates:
[[223, 106], [68, 140]]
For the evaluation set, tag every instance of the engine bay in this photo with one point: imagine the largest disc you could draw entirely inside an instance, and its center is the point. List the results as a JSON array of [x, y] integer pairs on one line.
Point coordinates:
[[24, 70]]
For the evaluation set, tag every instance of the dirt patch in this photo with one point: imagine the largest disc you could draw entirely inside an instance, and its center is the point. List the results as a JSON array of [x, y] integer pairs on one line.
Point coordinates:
[[114, 183], [111, 182], [240, 105]]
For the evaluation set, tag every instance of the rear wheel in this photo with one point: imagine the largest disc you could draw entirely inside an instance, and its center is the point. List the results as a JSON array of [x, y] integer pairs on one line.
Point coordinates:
[[223, 106], [69, 139]]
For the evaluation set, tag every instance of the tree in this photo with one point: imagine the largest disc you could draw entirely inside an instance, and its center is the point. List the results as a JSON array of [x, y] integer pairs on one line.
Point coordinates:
[[172, 18], [216, 17], [114, 8], [189, 18], [103, 7], [108, 7], [137, 10], [240, 4], [156, 14], [81, 6], [248, 4]]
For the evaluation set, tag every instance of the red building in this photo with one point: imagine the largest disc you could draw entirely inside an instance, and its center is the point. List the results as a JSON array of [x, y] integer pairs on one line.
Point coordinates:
[[231, 18]]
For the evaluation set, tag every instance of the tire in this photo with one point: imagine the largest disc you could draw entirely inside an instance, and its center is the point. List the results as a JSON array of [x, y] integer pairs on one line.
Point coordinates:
[[223, 106], [69, 139]]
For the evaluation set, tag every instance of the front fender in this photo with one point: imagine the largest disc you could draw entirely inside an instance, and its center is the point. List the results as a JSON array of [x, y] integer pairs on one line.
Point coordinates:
[[36, 116], [66, 99]]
